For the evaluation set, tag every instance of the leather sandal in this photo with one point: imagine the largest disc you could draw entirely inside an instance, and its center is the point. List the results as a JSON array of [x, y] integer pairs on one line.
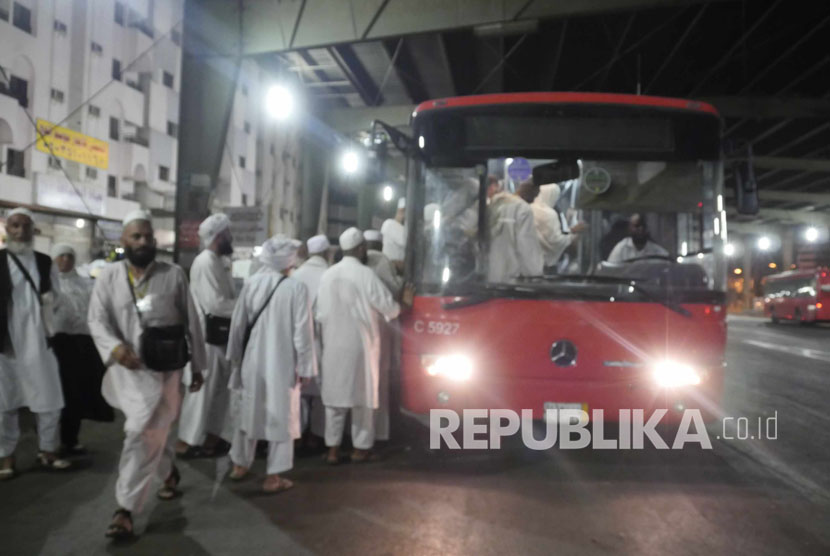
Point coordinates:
[[118, 531], [168, 491], [53, 462], [281, 485]]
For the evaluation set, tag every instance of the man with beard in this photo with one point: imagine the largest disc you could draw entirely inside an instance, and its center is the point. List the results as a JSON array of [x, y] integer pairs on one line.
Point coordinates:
[[80, 365], [351, 302], [204, 420], [637, 245], [133, 302], [28, 368], [514, 245]]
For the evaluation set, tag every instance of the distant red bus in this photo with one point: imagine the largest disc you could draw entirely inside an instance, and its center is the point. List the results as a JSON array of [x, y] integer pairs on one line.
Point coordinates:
[[798, 295], [644, 333]]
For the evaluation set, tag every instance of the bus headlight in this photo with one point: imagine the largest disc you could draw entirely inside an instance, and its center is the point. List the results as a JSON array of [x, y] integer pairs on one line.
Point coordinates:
[[455, 367], [670, 374]]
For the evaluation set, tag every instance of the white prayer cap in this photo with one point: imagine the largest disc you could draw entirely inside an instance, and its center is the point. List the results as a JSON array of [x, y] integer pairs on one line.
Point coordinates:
[[62, 249], [350, 239], [23, 211], [212, 226], [372, 235], [318, 244], [401, 203], [138, 214], [280, 252]]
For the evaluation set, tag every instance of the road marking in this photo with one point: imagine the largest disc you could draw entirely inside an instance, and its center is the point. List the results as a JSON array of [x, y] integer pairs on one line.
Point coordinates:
[[792, 350]]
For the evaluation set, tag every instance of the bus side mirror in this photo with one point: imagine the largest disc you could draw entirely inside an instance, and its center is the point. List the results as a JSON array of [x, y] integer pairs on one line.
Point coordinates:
[[746, 188], [556, 172]]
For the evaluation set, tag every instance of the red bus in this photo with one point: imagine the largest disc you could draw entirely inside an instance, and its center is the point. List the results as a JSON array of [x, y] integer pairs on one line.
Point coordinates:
[[647, 332], [798, 295]]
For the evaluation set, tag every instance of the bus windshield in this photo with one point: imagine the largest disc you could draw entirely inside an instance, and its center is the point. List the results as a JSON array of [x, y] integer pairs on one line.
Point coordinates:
[[615, 230]]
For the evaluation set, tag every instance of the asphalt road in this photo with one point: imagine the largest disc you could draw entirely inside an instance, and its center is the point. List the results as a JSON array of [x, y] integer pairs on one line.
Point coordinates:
[[768, 496]]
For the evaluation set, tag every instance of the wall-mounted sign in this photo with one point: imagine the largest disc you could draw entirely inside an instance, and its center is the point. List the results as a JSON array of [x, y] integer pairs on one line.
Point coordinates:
[[54, 190], [71, 145], [249, 225], [519, 170], [596, 180]]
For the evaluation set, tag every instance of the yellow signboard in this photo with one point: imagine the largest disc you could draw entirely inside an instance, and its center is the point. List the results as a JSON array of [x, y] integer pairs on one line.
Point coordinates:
[[71, 145]]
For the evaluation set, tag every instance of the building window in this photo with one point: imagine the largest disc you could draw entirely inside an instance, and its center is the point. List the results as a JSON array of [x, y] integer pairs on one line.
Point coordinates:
[[116, 69], [241, 161], [96, 48], [176, 37], [4, 10], [54, 163], [94, 110], [112, 186], [91, 173], [247, 127], [22, 18], [244, 200], [119, 13], [172, 129], [164, 173], [167, 79], [59, 27], [114, 135], [57, 95], [272, 150], [15, 164], [16, 88]]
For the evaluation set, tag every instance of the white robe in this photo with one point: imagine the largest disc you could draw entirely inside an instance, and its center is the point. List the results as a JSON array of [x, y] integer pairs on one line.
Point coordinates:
[[211, 286], [73, 306], [280, 350], [626, 250], [147, 398], [28, 368], [548, 225], [514, 245], [350, 304], [310, 273], [385, 270], [394, 239]]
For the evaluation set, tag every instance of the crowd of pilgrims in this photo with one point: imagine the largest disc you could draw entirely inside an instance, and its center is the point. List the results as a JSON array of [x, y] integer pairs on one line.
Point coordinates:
[[197, 367]]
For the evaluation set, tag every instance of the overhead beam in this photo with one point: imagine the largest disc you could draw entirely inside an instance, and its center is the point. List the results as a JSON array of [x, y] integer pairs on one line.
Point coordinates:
[[770, 107], [350, 120], [324, 23], [354, 71], [796, 216], [788, 196], [404, 66], [785, 163]]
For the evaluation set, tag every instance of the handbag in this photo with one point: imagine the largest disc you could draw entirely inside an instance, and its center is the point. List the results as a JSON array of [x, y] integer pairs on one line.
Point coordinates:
[[163, 348], [217, 330], [44, 301], [250, 327]]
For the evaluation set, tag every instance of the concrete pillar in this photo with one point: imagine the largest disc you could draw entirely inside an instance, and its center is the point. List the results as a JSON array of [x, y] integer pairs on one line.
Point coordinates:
[[787, 248], [747, 274]]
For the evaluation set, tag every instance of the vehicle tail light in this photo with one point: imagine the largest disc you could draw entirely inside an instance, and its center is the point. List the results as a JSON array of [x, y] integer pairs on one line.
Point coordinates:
[[819, 305]]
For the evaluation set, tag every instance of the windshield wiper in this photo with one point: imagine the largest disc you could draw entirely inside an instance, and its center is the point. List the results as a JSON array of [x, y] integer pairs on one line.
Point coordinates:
[[483, 294], [632, 282]]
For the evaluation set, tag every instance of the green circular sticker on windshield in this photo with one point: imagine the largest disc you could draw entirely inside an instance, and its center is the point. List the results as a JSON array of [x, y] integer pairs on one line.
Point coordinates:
[[596, 180]]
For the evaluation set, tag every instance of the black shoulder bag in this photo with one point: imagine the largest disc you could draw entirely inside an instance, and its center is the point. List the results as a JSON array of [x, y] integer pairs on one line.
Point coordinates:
[[36, 290], [217, 329], [163, 348], [250, 327]]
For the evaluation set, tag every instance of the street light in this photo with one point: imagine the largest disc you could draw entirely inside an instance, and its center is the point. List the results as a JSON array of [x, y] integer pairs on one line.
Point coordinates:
[[350, 162], [80, 223], [729, 249], [764, 243], [811, 234], [388, 193], [279, 102]]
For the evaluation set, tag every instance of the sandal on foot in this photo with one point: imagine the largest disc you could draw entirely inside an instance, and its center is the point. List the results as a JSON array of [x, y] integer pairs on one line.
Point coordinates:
[[168, 491], [118, 530], [281, 485], [364, 456], [53, 462], [238, 473]]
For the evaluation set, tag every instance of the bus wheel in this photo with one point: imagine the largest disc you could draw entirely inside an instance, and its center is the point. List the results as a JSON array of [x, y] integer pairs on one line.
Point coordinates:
[[773, 317]]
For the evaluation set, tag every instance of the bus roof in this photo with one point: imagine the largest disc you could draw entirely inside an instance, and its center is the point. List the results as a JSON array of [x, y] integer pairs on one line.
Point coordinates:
[[797, 273], [565, 98]]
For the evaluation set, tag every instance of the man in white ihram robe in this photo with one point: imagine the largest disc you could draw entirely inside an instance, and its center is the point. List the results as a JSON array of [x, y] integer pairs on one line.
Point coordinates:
[[268, 371], [350, 304], [514, 245], [385, 270], [28, 369], [309, 273], [204, 418], [394, 233], [150, 400]]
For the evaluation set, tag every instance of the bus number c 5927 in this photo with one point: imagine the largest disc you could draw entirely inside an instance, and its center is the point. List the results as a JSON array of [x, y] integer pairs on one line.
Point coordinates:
[[438, 327]]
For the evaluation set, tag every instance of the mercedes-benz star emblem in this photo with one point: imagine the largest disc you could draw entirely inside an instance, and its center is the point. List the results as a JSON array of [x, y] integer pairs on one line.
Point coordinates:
[[563, 353]]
